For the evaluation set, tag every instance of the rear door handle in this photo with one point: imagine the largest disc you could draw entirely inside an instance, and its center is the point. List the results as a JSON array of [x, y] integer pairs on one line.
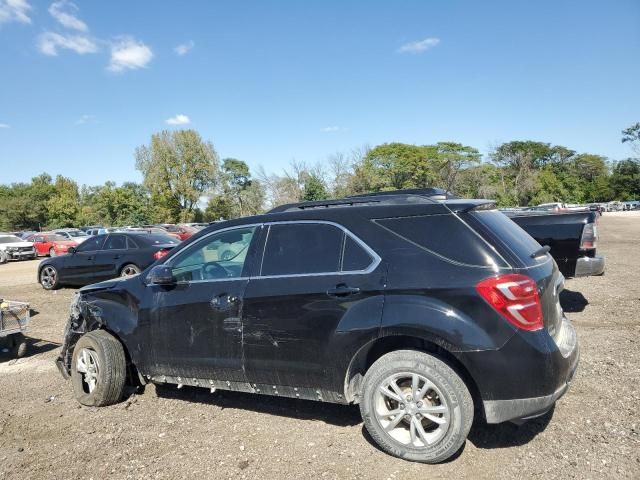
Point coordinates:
[[343, 290]]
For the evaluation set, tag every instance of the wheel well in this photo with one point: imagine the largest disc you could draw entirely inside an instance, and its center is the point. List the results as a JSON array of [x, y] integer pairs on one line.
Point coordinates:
[[372, 351]]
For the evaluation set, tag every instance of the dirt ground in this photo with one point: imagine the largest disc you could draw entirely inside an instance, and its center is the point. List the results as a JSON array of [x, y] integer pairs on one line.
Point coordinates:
[[594, 431]]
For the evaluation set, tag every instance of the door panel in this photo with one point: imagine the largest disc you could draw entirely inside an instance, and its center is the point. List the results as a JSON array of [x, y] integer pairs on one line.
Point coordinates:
[[297, 334], [196, 330], [195, 324], [318, 296]]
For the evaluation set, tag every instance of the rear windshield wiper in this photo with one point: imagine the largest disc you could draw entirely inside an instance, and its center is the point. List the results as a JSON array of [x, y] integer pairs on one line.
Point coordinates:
[[541, 251]]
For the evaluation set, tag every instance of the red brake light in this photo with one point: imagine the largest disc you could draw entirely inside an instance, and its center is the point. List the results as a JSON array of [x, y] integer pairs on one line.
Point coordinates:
[[589, 236], [160, 253], [515, 297]]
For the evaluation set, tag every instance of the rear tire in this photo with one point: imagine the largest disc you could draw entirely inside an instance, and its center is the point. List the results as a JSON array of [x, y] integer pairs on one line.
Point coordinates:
[[431, 415], [52, 252], [129, 270], [19, 345], [98, 369]]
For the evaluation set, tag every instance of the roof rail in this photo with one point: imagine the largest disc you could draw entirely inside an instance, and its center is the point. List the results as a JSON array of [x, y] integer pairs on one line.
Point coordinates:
[[392, 197]]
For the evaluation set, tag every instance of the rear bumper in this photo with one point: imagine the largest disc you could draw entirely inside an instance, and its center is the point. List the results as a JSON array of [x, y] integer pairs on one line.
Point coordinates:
[[589, 266], [537, 382]]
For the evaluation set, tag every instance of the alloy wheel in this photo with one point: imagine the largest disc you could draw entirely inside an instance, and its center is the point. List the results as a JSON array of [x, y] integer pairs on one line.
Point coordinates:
[[48, 277], [411, 409], [87, 366]]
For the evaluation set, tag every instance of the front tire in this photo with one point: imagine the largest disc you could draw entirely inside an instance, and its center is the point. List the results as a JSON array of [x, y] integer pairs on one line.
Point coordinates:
[[98, 369], [3, 257], [52, 252], [49, 278], [416, 407]]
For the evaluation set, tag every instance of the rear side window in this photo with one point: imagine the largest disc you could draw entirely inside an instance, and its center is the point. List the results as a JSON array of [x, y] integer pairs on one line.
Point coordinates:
[[312, 248], [355, 257], [503, 231], [446, 236], [302, 248], [115, 242]]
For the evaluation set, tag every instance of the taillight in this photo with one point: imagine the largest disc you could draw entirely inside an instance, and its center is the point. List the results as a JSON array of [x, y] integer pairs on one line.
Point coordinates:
[[589, 236], [160, 253], [515, 297]]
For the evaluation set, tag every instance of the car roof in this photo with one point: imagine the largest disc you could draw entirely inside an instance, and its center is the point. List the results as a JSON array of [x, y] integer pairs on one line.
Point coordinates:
[[370, 206]]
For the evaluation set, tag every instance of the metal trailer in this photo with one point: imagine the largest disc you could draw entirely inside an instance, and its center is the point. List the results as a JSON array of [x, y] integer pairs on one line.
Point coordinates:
[[14, 320]]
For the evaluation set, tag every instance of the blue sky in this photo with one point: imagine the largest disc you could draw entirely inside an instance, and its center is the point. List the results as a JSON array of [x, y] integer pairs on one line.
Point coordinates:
[[82, 84]]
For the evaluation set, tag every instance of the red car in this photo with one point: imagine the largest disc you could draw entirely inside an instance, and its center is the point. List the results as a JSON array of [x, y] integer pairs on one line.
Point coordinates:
[[182, 231], [51, 244]]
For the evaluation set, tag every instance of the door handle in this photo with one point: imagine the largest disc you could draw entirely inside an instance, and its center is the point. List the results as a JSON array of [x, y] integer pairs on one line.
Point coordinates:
[[116, 256], [343, 290], [223, 301]]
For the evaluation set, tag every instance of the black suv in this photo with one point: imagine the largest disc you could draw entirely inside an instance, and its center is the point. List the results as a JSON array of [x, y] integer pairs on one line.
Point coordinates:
[[424, 310]]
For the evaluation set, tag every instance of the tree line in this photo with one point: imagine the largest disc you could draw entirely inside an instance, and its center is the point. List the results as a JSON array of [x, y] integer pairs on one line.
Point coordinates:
[[184, 180]]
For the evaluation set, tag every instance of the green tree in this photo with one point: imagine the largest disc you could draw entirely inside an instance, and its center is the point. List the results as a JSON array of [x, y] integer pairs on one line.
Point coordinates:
[[632, 135], [521, 159], [625, 179], [178, 168], [314, 188], [451, 159], [393, 166], [63, 206]]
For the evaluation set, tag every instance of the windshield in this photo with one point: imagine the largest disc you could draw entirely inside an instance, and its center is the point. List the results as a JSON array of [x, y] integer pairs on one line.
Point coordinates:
[[10, 239], [78, 234]]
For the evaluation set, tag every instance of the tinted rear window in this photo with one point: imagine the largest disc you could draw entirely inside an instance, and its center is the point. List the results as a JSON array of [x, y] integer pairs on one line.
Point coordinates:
[[355, 257], [446, 236], [302, 248], [501, 230]]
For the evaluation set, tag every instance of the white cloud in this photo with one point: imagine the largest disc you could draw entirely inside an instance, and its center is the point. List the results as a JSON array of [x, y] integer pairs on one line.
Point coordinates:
[[62, 12], [333, 128], [184, 48], [86, 119], [128, 53], [50, 42], [14, 11], [5, 125], [179, 119], [419, 46]]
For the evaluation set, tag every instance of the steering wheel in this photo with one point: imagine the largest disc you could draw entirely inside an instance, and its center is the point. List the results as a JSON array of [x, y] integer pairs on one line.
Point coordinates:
[[213, 270]]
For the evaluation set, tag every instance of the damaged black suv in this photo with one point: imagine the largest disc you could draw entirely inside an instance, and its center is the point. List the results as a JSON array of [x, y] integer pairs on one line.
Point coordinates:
[[424, 310]]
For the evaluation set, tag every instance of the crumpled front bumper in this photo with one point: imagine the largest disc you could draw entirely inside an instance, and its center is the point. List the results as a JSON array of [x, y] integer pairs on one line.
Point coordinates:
[[17, 255], [589, 266]]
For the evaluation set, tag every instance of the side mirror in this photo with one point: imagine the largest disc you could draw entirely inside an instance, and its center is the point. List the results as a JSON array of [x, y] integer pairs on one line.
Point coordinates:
[[71, 250], [161, 275]]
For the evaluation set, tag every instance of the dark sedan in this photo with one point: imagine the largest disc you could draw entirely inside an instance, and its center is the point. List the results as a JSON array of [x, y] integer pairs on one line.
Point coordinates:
[[103, 257]]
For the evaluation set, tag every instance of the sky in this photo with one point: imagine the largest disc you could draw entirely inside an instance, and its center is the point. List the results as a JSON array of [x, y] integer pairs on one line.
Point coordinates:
[[83, 84]]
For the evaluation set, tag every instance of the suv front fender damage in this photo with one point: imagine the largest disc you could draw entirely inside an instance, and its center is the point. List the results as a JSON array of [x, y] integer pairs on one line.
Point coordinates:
[[93, 309], [84, 316]]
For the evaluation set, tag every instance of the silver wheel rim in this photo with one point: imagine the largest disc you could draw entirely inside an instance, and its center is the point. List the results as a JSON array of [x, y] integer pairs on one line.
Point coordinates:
[[87, 366], [48, 277], [411, 409], [129, 270], [52, 252]]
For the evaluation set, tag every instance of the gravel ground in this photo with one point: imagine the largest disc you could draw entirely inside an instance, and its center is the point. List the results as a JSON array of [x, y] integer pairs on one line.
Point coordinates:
[[169, 433]]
